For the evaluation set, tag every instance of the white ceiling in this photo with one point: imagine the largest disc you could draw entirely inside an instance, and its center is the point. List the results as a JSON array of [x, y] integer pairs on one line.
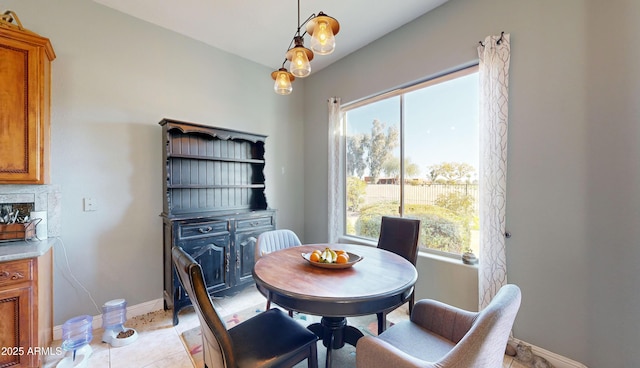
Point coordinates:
[[261, 30]]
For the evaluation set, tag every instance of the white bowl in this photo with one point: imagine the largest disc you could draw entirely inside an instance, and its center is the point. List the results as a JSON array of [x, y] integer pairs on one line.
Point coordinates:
[[111, 337]]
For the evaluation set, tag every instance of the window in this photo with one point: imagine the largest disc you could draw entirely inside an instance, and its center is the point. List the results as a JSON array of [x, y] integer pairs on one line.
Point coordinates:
[[414, 153]]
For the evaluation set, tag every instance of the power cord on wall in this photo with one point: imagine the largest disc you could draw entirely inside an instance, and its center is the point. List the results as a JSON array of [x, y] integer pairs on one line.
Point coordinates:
[[64, 250]]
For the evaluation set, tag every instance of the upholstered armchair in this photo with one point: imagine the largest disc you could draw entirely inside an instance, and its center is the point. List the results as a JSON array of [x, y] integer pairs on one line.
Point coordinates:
[[442, 336]]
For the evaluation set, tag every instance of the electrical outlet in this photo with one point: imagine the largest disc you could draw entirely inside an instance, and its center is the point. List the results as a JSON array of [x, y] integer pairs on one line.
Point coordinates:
[[90, 204]]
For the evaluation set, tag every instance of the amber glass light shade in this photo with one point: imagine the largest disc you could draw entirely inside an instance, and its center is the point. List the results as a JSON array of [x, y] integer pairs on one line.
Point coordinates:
[[323, 41], [300, 58], [300, 66], [323, 29], [283, 79]]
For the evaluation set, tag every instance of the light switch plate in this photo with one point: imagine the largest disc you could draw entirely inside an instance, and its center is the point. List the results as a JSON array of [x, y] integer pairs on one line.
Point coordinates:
[[90, 204]]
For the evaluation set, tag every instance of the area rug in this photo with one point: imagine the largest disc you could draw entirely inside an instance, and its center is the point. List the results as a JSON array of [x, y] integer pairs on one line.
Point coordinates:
[[344, 357]]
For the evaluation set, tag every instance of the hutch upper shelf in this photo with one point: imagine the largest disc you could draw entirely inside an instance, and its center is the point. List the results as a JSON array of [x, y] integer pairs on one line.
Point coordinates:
[[212, 169]]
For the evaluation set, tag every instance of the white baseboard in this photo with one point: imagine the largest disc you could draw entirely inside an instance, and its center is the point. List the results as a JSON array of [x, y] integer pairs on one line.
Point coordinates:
[[557, 360], [132, 311]]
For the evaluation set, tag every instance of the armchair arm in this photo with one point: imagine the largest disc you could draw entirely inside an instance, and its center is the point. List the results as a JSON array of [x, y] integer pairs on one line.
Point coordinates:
[[373, 353], [445, 320]]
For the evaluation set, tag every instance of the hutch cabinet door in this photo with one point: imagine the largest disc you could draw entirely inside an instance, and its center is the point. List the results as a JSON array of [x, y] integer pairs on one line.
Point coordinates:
[[245, 247], [214, 255], [246, 236]]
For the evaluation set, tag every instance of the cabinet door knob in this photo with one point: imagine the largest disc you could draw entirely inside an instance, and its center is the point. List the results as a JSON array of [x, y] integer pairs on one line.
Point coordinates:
[[205, 230], [17, 276]]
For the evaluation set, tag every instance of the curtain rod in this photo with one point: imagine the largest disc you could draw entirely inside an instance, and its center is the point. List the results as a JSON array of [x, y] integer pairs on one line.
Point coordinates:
[[498, 42]]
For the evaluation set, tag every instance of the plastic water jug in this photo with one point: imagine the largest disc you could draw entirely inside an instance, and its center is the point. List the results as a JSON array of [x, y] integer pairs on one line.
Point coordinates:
[[114, 313], [77, 332]]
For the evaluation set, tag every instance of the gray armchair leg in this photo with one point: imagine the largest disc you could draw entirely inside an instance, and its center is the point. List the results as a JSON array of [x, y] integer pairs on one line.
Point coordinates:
[[412, 301], [382, 322]]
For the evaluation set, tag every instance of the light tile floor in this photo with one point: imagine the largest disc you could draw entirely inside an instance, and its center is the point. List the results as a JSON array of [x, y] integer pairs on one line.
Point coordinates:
[[159, 344]]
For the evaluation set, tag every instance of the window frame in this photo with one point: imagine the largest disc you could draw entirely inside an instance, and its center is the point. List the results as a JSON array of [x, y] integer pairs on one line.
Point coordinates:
[[400, 91]]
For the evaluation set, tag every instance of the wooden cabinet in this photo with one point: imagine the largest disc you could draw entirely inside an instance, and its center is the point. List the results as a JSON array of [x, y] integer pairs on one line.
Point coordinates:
[[214, 205], [25, 310], [221, 245], [25, 72]]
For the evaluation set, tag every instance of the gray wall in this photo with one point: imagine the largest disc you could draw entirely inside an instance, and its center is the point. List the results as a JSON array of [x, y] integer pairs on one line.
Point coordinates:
[[572, 201], [114, 79]]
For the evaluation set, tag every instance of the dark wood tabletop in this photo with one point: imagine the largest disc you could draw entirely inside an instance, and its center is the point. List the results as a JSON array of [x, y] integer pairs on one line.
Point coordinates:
[[381, 280]]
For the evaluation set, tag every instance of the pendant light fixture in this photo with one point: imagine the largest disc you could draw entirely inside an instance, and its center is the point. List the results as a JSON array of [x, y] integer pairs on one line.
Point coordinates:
[[322, 29], [283, 81]]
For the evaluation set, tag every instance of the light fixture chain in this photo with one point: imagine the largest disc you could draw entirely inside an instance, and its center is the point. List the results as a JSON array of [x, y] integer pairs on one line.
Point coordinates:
[[298, 17]]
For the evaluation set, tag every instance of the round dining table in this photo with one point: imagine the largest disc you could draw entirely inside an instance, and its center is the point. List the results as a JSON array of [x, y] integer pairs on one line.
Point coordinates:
[[380, 281]]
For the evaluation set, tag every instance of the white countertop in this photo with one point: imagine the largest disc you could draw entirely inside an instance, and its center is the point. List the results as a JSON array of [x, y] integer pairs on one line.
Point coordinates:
[[13, 250]]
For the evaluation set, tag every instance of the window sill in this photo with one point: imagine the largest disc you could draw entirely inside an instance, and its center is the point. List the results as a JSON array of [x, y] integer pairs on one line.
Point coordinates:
[[447, 259], [421, 254]]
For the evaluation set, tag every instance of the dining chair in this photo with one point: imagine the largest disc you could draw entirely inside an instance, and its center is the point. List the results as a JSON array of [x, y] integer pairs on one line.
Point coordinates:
[[443, 336], [269, 339], [400, 236], [271, 241]]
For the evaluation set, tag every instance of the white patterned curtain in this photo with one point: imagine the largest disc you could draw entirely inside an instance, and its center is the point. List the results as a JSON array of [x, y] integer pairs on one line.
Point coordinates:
[[494, 56], [336, 169]]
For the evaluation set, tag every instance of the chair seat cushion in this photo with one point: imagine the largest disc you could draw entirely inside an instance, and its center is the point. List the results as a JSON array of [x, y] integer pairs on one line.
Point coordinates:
[[269, 338], [417, 341]]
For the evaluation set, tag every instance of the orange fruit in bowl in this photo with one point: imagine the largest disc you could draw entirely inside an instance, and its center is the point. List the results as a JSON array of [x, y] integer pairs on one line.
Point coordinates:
[[315, 256], [342, 258], [339, 252]]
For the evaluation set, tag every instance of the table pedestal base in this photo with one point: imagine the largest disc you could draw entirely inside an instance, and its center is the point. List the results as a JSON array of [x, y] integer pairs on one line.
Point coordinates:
[[334, 333]]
